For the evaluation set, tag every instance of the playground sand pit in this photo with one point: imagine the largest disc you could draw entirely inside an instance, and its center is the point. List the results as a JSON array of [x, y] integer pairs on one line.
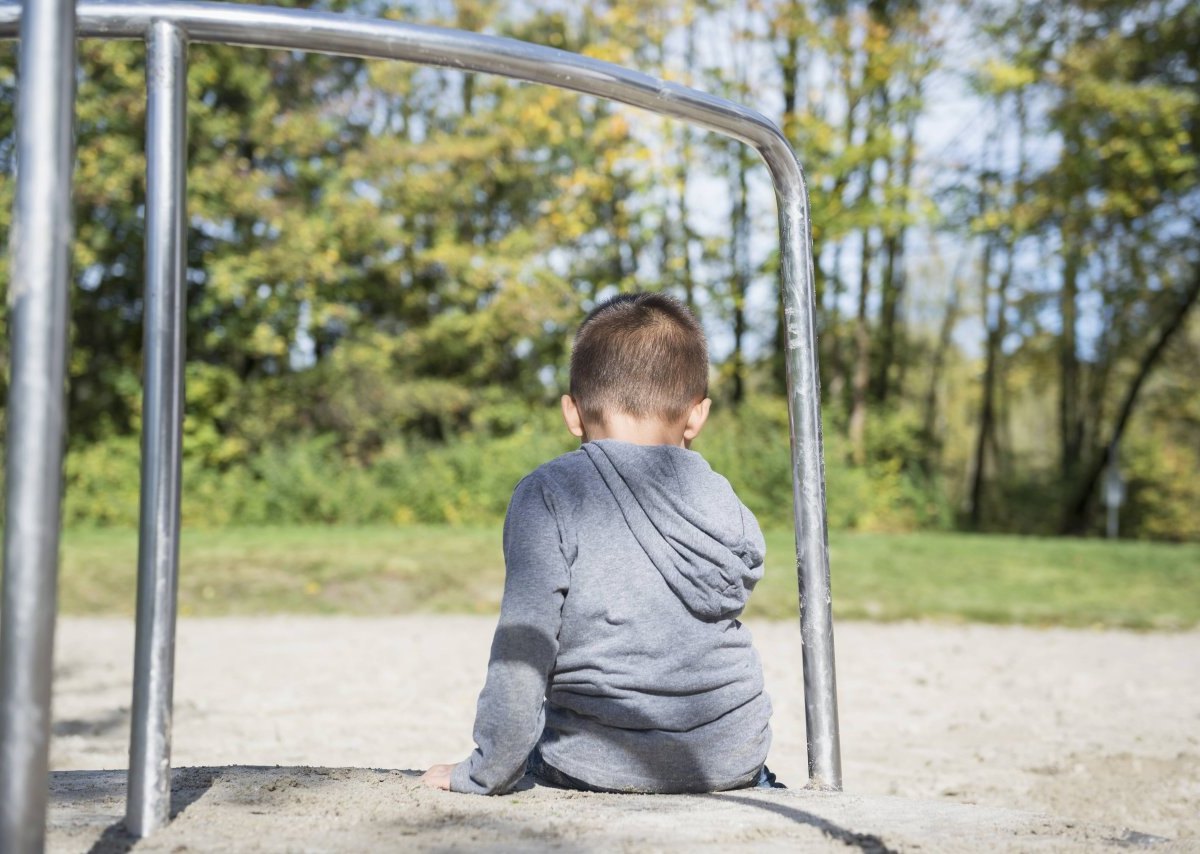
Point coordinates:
[[306, 733]]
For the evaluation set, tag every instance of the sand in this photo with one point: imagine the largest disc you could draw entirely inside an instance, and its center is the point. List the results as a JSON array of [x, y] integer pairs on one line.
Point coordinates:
[[954, 738]]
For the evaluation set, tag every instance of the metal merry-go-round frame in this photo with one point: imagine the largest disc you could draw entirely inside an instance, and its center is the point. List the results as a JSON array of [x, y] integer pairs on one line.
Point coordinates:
[[38, 295]]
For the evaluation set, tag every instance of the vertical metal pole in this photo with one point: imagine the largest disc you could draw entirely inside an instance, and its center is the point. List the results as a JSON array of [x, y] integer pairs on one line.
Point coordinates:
[[40, 249], [149, 795], [808, 478]]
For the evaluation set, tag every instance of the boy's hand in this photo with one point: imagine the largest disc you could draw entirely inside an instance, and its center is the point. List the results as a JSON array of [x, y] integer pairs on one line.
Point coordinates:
[[438, 777]]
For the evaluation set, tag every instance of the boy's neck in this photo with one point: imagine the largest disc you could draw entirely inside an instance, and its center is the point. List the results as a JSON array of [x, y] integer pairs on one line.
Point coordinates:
[[637, 431]]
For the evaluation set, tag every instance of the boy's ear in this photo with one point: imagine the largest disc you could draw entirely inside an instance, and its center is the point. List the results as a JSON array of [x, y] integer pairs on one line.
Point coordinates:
[[696, 419], [571, 416]]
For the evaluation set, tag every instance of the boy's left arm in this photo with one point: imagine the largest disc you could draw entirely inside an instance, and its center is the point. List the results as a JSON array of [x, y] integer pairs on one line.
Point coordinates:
[[510, 714]]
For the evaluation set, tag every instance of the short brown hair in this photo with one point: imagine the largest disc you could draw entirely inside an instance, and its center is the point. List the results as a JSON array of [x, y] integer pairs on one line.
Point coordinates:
[[640, 354]]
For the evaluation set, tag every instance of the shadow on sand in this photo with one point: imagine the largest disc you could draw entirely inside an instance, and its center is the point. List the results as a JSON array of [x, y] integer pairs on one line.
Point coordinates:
[[862, 841], [188, 785]]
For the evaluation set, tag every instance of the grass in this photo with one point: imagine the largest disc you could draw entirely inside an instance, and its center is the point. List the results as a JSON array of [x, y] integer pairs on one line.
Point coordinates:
[[999, 579], [958, 577]]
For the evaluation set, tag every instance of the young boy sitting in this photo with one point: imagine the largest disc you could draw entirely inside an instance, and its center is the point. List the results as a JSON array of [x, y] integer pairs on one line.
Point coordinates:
[[618, 663]]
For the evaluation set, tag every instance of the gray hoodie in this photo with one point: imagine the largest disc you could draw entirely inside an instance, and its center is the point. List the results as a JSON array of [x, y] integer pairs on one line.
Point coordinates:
[[618, 650]]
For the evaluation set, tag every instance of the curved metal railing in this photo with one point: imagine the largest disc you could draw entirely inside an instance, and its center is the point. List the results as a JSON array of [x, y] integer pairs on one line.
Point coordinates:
[[40, 240]]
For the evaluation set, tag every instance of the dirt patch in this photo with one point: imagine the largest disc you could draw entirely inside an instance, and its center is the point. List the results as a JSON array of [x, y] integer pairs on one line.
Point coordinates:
[[1061, 739], [258, 809]]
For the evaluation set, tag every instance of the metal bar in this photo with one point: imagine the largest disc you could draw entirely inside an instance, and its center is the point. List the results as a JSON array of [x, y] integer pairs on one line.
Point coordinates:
[[40, 246], [808, 487], [369, 38], [298, 29], [149, 796]]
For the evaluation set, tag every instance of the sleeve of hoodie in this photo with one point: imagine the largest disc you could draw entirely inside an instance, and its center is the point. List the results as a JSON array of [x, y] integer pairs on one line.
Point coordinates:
[[510, 715]]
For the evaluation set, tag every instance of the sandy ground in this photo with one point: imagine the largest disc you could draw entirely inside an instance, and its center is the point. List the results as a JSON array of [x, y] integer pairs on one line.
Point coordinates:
[[953, 737]]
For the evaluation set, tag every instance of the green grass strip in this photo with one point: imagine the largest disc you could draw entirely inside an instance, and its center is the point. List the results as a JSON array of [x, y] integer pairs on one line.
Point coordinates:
[[443, 569]]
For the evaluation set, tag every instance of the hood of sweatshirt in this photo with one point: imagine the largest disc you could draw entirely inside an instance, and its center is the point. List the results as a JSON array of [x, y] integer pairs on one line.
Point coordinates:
[[687, 519]]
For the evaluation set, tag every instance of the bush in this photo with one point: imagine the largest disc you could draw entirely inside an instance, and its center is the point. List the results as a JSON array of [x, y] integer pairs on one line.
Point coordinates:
[[469, 478], [752, 448], [1162, 489], [312, 480], [102, 482]]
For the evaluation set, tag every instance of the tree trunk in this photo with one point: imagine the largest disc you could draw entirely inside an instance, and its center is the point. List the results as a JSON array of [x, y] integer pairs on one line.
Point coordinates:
[[862, 358], [687, 276], [997, 328], [687, 236], [740, 281], [833, 332], [877, 117], [1080, 507], [895, 276], [945, 333], [841, 370], [890, 285], [1068, 356], [788, 68], [995, 317]]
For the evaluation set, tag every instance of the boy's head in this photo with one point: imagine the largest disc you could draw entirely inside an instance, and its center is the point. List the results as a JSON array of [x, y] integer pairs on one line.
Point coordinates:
[[639, 371]]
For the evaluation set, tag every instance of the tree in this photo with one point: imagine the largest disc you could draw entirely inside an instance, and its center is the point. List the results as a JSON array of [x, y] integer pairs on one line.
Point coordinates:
[[1122, 198]]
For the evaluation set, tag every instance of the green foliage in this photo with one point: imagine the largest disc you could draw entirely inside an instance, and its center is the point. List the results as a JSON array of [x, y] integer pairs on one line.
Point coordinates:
[[1162, 488], [1113, 84], [468, 478], [386, 261], [752, 449], [101, 484]]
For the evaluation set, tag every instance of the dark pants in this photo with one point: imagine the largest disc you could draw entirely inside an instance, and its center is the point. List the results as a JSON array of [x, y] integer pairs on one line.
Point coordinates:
[[551, 776]]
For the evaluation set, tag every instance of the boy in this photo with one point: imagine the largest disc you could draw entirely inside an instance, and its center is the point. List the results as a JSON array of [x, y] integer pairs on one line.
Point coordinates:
[[618, 663]]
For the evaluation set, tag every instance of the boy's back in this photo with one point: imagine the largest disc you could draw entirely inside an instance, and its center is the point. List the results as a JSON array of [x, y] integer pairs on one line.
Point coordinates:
[[618, 662], [653, 684]]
